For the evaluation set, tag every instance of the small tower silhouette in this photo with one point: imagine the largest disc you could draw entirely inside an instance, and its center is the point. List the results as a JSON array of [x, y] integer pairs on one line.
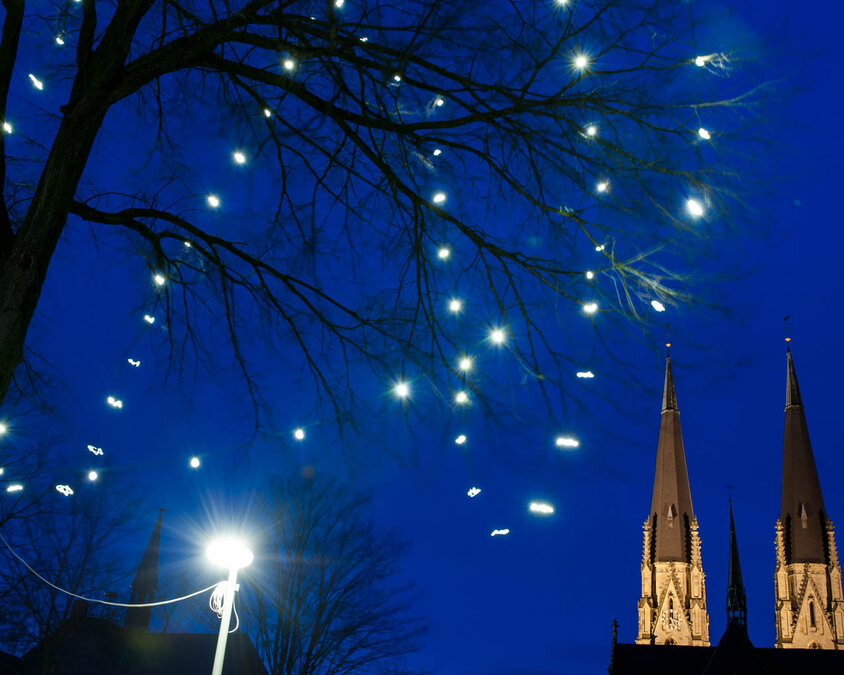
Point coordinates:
[[145, 583]]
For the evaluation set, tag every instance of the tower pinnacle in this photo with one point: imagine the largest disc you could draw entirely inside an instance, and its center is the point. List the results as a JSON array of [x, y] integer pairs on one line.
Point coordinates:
[[736, 599], [145, 583]]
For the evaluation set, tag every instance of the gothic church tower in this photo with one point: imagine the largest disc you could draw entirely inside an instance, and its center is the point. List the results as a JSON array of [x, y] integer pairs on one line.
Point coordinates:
[[672, 609], [809, 603]]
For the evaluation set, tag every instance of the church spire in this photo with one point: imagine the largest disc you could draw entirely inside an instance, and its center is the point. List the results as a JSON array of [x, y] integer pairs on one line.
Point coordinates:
[[145, 583], [671, 503], [802, 510], [736, 599]]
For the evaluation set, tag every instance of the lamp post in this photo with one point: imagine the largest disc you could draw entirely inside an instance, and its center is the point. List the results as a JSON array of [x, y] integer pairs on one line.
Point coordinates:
[[232, 554]]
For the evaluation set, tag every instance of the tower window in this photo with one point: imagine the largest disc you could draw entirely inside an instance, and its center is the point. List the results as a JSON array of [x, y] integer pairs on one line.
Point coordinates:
[[812, 614]]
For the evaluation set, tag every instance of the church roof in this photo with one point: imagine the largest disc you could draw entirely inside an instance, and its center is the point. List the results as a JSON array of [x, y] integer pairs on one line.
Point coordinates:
[[802, 510], [671, 503]]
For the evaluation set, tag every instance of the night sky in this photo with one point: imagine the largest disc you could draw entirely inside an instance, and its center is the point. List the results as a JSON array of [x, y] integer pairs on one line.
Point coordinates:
[[540, 600]]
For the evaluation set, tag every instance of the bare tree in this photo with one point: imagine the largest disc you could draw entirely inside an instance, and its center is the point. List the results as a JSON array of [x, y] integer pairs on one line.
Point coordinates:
[[513, 140], [326, 597]]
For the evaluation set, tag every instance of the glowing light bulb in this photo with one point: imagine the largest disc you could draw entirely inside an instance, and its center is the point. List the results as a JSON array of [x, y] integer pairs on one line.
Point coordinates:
[[194, 462], [566, 442], [268, 113], [474, 491], [289, 64], [562, 3], [444, 253], [580, 61], [2, 470], [700, 61], [460, 440], [590, 274], [59, 40], [66, 490], [93, 449], [114, 402], [339, 3], [402, 390], [461, 398], [602, 186], [14, 487], [499, 533], [704, 134], [439, 102], [93, 475], [238, 157], [600, 248], [585, 374], [455, 305], [396, 78], [3, 428], [590, 307], [159, 279], [497, 336], [187, 244], [299, 434], [694, 207], [213, 201], [149, 319], [657, 305], [438, 198], [437, 151], [38, 84], [364, 39], [591, 130], [465, 364], [7, 127], [542, 508], [134, 363]]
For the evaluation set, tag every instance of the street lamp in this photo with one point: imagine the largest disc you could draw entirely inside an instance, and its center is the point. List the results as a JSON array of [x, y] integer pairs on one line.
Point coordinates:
[[233, 554]]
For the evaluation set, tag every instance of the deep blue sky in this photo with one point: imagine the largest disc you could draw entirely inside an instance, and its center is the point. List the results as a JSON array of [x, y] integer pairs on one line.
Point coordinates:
[[540, 600]]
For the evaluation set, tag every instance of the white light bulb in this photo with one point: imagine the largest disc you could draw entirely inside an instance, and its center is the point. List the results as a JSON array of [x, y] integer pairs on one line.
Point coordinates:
[[602, 186], [542, 508], [566, 442], [194, 462], [443, 253], [438, 198], [93, 475], [289, 64], [133, 362], [657, 305], [562, 2], [496, 533], [694, 207], [59, 40], [460, 440], [7, 127], [437, 151], [114, 402], [455, 305], [700, 61], [14, 487], [159, 279], [213, 201], [187, 244], [268, 112], [600, 248], [238, 157], [66, 490], [474, 491], [439, 102], [95, 450], [3, 428], [581, 62], [38, 84], [497, 336], [402, 390], [299, 434], [149, 319], [704, 134], [396, 78], [590, 307], [339, 3], [461, 398], [585, 374], [465, 364], [591, 130], [364, 39], [590, 274]]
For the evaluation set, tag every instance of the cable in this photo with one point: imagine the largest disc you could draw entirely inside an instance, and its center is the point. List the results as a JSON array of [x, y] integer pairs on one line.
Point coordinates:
[[101, 602], [217, 600]]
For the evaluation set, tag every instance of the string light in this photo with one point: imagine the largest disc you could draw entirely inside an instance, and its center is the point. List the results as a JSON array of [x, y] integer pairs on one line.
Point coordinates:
[[134, 363], [213, 201], [268, 113], [95, 450], [59, 40], [461, 398], [700, 61], [497, 336], [238, 157], [600, 248], [396, 78], [7, 127], [194, 462], [592, 130], [3, 428], [289, 64], [364, 39], [590, 307], [159, 279], [657, 305], [2, 470], [542, 508], [585, 374], [602, 186], [66, 490], [437, 151], [93, 475], [465, 364], [439, 102], [566, 442], [149, 319], [339, 3], [187, 244], [461, 440], [299, 434], [497, 533], [402, 390], [444, 252], [694, 207], [438, 198], [562, 3], [580, 61], [590, 274], [704, 134], [14, 487], [474, 491], [114, 402], [455, 305], [38, 84]]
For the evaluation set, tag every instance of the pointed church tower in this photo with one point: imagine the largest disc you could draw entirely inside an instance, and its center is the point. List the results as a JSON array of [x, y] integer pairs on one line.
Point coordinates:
[[672, 609], [736, 599], [809, 602], [145, 583]]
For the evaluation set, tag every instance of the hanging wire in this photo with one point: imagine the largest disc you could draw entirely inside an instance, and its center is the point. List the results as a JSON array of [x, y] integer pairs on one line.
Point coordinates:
[[101, 602], [217, 600]]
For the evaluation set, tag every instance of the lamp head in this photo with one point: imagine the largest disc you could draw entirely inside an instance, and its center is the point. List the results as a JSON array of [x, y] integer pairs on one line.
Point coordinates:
[[229, 552]]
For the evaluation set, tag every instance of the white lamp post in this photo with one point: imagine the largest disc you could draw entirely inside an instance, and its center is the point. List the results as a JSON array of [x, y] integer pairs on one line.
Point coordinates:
[[233, 554]]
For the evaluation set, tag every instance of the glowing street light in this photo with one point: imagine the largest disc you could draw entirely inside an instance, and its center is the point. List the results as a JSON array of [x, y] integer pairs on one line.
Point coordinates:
[[233, 554]]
